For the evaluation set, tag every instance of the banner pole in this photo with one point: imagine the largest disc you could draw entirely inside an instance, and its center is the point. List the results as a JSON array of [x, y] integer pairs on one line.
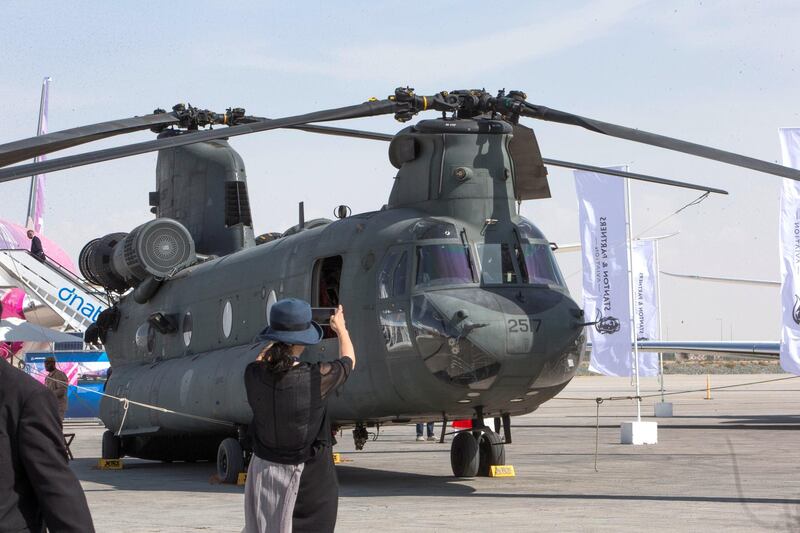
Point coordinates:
[[632, 298], [660, 325]]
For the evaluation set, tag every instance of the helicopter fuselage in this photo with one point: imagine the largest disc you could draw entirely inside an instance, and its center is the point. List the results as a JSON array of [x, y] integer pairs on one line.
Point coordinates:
[[454, 302]]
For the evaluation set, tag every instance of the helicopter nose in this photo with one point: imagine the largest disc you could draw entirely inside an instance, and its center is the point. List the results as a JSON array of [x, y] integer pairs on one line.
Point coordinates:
[[470, 336], [459, 336]]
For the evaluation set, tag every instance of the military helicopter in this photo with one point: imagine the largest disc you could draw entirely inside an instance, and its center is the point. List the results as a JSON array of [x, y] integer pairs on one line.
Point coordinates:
[[456, 303]]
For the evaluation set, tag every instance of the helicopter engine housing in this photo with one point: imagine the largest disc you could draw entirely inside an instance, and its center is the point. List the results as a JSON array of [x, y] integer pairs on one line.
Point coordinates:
[[156, 249]]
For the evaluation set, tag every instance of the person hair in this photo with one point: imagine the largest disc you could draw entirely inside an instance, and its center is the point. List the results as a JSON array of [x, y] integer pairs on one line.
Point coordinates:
[[279, 358]]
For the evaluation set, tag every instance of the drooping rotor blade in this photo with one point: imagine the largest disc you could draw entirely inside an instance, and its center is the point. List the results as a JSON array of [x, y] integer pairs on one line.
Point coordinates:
[[371, 108], [17, 151], [363, 134], [344, 132], [662, 141], [632, 175]]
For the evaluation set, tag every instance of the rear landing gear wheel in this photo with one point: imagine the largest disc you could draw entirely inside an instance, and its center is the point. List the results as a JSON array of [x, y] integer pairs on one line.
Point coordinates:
[[112, 446], [491, 451], [464, 455], [230, 460]]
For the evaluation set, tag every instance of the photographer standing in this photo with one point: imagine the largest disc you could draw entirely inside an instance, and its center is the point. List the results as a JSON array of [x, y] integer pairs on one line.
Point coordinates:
[[291, 480]]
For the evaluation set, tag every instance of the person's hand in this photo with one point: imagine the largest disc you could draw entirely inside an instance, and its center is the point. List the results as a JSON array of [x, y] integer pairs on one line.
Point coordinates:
[[262, 355], [338, 324]]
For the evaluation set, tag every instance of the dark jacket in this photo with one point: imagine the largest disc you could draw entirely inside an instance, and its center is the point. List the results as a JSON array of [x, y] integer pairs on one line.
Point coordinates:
[[37, 486], [57, 382], [36, 248], [290, 423]]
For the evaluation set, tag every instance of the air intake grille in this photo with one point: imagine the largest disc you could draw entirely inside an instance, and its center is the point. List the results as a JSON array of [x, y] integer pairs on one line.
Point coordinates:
[[237, 205]]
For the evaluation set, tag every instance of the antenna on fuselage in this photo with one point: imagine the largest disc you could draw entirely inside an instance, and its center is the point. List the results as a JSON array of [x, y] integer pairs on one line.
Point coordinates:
[[302, 215]]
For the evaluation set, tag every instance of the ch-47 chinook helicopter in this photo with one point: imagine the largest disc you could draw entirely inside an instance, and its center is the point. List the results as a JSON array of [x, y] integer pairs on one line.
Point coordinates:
[[455, 302]]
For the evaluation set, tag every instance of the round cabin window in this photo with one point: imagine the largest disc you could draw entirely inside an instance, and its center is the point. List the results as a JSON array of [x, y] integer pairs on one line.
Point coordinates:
[[227, 319], [187, 329], [271, 299], [145, 338]]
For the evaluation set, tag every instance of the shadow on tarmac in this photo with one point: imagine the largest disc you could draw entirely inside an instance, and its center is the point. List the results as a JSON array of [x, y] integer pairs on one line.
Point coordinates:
[[152, 476], [354, 482], [365, 482]]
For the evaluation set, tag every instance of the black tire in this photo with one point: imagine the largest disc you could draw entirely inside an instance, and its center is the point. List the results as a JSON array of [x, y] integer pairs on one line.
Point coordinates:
[[464, 455], [230, 460], [491, 451], [112, 446]]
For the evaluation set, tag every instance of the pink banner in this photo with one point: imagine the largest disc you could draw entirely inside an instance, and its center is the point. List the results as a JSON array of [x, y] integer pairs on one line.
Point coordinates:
[[13, 302]]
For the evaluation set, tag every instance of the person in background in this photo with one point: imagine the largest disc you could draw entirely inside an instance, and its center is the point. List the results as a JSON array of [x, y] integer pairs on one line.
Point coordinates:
[[291, 481], [36, 246], [57, 382], [38, 489], [420, 436], [108, 376]]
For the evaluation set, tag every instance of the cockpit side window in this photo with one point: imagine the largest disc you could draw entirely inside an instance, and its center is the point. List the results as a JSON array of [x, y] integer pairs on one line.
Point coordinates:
[[393, 275], [400, 278], [385, 275]]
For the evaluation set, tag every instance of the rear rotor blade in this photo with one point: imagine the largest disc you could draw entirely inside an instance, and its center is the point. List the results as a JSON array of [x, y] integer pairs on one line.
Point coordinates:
[[662, 141], [17, 151], [632, 175], [378, 107]]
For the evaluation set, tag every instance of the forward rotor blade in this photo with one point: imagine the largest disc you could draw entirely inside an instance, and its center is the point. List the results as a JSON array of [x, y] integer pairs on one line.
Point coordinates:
[[378, 107], [632, 175], [662, 141], [17, 151]]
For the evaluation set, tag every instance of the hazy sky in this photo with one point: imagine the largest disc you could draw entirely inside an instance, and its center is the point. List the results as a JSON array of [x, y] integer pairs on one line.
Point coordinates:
[[721, 73]]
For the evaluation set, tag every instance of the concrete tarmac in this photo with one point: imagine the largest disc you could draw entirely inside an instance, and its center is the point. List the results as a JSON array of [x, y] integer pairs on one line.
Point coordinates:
[[730, 463]]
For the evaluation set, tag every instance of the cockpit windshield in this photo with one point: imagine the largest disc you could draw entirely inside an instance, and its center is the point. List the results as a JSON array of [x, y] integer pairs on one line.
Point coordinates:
[[443, 264], [497, 263], [524, 263]]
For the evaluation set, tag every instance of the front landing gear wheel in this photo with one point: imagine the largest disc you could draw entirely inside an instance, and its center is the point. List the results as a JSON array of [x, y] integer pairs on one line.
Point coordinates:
[[230, 460], [112, 446], [491, 451], [464, 455]]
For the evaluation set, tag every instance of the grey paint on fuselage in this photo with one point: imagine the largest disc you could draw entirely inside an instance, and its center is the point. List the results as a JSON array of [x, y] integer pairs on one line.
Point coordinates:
[[205, 377]]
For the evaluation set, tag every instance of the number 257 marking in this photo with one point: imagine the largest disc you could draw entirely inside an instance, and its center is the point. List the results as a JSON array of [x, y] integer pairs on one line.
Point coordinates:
[[523, 325]]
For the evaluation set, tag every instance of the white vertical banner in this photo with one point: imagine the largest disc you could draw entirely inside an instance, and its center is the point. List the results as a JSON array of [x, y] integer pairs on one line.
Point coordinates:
[[606, 286], [645, 302], [790, 254]]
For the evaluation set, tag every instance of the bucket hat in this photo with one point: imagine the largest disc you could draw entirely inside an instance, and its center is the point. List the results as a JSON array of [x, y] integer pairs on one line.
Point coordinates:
[[290, 322]]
